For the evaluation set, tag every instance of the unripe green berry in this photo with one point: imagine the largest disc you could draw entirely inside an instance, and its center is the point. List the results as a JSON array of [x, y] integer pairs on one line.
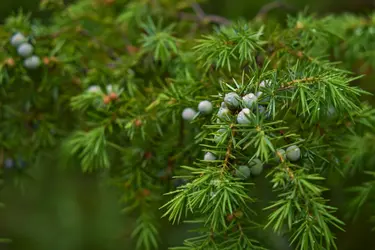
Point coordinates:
[[261, 109], [25, 50], [256, 166], [243, 172], [205, 107], [188, 114], [219, 136], [243, 116], [209, 156], [232, 100], [293, 153], [32, 62], [95, 89], [17, 39], [224, 114], [249, 100], [280, 153]]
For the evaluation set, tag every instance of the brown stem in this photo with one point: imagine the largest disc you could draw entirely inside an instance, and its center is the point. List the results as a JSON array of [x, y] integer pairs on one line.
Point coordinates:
[[201, 17], [271, 6]]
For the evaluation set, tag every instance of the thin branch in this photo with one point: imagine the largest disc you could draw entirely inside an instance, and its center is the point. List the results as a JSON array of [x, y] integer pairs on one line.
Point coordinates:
[[201, 17], [271, 6]]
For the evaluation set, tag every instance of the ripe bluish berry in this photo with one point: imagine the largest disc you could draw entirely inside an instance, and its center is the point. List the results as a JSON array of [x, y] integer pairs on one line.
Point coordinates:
[[243, 116], [249, 100], [243, 172], [205, 107], [25, 50], [219, 136], [188, 114], [331, 112], [17, 39], [209, 156], [293, 153], [256, 166], [232, 100], [8, 163], [32, 62], [280, 153]]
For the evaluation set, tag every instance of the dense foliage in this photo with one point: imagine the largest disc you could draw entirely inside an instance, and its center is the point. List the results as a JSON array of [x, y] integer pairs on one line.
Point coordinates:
[[161, 98]]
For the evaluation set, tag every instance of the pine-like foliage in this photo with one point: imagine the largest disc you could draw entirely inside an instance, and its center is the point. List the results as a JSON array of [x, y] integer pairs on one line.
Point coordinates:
[[116, 76]]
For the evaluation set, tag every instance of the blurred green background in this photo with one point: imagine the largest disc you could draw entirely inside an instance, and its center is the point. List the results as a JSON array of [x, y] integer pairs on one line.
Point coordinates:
[[60, 209]]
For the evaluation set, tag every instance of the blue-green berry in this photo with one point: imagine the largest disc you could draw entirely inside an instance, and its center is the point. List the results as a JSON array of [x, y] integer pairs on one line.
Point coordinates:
[[243, 116], [249, 100], [209, 156], [205, 107], [188, 114], [109, 89], [25, 50], [293, 153], [8, 163], [261, 109], [32, 62], [256, 166], [280, 153], [265, 83], [17, 39], [243, 172], [232, 100]]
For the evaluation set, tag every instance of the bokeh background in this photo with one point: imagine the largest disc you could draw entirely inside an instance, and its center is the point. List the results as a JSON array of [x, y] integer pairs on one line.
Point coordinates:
[[62, 209]]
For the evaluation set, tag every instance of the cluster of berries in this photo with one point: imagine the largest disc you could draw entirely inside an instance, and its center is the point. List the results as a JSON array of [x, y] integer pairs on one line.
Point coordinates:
[[25, 50], [112, 93], [204, 107], [10, 163]]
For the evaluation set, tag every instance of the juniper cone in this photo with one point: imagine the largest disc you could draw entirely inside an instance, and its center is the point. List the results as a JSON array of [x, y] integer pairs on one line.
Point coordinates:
[[293, 153], [148, 63], [188, 114], [25, 50], [205, 107], [209, 156], [243, 172], [17, 39], [32, 62]]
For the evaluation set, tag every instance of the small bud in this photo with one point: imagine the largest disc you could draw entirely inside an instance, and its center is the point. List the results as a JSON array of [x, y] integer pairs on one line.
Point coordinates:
[[188, 114], [146, 192], [293, 153], [9, 62], [205, 107], [243, 172], [299, 25], [209, 156], [32, 62], [106, 99], [249, 100], [113, 96], [25, 50], [230, 217], [232, 100], [243, 116], [256, 166], [280, 155], [17, 39], [138, 123], [46, 60]]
